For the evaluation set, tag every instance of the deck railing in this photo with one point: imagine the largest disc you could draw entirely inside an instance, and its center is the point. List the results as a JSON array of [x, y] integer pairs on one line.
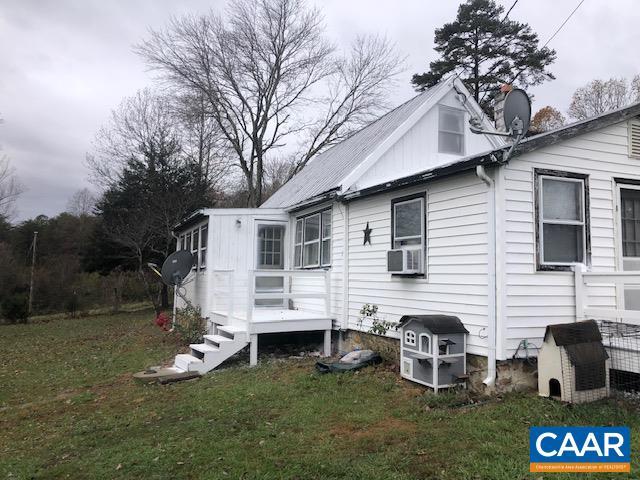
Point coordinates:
[[235, 291], [618, 282]]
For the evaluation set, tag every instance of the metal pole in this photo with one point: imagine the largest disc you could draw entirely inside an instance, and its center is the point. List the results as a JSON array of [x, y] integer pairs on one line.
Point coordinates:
[[33, 266]]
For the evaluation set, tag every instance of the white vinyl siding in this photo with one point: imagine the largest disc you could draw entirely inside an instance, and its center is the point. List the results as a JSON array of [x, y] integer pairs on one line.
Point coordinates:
[[532, 299], [204, 240], [455, 257]]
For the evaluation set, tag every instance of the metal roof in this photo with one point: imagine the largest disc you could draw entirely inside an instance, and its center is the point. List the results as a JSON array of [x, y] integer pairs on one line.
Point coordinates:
[[326, 170]]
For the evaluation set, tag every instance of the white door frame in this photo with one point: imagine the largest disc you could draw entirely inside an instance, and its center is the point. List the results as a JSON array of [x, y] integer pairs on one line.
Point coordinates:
[[621, 185]]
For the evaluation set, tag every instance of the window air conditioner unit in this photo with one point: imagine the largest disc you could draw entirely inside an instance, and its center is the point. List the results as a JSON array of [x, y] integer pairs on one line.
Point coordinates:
[[405, 261]]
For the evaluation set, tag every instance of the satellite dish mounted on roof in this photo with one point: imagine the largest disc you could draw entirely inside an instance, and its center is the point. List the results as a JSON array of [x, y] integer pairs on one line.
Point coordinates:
[[515, 115]]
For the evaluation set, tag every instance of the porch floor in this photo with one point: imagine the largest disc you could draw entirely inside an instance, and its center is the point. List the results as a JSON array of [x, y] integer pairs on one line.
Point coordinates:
[[272, 320]]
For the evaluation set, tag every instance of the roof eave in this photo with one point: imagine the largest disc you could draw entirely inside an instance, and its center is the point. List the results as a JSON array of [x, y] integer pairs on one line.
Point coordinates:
[[193, 218], [488, 158]]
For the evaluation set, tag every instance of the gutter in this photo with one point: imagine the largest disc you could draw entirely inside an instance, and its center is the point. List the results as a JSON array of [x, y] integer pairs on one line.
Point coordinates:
[[491, 281]]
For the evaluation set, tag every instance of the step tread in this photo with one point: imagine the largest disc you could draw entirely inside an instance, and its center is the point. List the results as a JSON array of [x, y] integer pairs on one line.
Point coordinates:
[[188, 358], [232, 329], [218, 338], [203, 347]]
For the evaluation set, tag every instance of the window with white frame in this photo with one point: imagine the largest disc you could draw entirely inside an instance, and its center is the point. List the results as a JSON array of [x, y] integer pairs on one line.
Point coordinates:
[[408, 222], [450, 130], [425, 343], [270, 246], [204, 240], [410, 337], [312, 241], [195, 245], [563, 235], [182, 242]]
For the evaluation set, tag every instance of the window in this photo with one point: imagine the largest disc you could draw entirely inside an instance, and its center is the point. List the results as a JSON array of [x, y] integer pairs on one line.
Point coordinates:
[[425, 343], [410, 337], [204, 240], [181, 243], [451, 131], [312, 242], [195, 237], [562, 209], [326, 238], [408, 222], [270, 243]]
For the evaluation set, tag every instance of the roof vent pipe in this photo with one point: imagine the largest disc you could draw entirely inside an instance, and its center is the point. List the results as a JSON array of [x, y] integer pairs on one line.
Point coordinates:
[[491, 275]]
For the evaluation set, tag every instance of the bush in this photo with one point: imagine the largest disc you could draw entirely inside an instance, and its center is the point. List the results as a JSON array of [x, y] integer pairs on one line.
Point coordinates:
[[15, 308], [190, 327]]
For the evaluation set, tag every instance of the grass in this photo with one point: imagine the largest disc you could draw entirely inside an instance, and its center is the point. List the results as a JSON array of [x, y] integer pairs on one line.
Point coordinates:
[[69, 409]]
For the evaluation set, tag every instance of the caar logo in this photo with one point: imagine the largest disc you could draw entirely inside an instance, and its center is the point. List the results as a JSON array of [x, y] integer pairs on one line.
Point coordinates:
[[579, 449]]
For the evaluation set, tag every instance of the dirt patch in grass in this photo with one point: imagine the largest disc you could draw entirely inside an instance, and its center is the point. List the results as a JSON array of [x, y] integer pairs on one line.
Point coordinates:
[[388, 432]]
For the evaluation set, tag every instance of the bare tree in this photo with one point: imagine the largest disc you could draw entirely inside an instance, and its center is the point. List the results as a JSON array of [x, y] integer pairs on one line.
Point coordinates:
[[81, 203], [202, 143], [545, 119], [600, 96], [10, 188], [263, 65], [142, 128]]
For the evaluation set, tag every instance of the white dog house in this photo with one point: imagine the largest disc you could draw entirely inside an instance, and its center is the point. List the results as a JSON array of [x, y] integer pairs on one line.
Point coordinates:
[[573, 364]]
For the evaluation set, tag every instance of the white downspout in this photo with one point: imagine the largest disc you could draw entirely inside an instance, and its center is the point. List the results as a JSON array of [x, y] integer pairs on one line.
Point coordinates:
[[491, 266]]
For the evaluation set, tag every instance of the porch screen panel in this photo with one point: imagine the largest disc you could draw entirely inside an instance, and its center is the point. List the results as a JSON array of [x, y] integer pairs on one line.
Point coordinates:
[[630, 212]]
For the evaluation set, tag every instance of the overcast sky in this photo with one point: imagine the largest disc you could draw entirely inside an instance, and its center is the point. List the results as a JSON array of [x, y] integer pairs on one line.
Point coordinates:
[[64, 64]]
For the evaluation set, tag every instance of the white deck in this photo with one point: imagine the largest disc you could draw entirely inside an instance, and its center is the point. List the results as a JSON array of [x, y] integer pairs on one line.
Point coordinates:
[[271, 320]]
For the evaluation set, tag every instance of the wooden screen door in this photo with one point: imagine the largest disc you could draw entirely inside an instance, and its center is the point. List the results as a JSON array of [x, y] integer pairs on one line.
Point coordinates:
[[629, 239], [270, 255]]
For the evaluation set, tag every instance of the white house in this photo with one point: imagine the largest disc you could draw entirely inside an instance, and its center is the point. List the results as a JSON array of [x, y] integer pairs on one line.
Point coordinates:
[[546, 237]]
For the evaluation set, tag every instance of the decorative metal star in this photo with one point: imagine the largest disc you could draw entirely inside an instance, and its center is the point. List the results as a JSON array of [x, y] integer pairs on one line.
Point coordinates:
[[367, 235]]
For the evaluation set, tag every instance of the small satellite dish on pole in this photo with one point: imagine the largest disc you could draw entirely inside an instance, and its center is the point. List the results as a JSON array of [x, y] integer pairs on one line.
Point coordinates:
[[516, 115], [517, 112], [176, 268]]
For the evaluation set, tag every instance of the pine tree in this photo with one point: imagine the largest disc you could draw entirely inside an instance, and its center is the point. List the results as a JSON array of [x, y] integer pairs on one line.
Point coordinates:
[[489, 50]]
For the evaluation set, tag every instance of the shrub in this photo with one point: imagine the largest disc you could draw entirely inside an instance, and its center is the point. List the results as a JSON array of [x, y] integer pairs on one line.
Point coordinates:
[[190, 327], [15, 308]]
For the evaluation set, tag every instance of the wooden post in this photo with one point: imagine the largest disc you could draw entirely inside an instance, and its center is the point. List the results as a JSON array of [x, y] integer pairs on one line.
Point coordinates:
[[33, 267], [579, 289], [251, 285], [327, 343], [327, 293], [253, 350]]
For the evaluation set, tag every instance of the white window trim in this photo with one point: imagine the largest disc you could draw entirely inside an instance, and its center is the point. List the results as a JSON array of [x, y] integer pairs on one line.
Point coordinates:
[[542, 221], [323, 238], [410, 338], [300, 244], [301, 220], [203, 250], [462, 133], [311, 242], [411, 237]]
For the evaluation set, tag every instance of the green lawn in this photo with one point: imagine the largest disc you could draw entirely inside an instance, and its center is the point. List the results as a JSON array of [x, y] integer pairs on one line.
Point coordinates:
[[69, 409]]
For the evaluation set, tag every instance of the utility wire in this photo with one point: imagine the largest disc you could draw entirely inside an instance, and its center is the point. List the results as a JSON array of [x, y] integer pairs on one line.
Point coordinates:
[[563, 24], [553, 36]]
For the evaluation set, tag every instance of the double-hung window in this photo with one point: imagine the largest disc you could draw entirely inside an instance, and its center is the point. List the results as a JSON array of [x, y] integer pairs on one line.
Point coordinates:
[[408, 222], [562, 209], [312, 243], [450, 130]]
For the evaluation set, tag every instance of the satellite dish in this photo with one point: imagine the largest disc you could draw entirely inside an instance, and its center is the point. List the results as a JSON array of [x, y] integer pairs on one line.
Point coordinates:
[[176, 267], [517, 112]]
